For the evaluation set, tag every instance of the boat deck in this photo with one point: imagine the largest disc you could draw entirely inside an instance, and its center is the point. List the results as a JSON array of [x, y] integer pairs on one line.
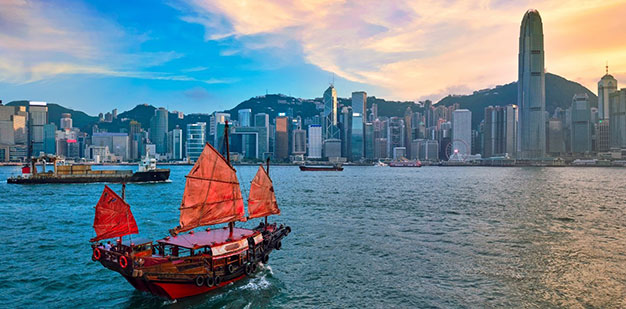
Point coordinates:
[[208, 238]]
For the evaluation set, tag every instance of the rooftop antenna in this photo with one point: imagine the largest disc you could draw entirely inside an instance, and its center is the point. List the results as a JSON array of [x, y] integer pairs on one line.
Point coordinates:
[[607, 67]]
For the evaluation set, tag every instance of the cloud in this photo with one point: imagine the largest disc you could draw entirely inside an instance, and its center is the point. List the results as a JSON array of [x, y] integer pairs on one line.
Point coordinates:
[[39, 41], [419, 49], [197, 93]]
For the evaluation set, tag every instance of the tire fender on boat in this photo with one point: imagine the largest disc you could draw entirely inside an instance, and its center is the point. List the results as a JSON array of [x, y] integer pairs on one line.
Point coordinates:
[[209, 281], [248, 269], [231, 268], [96, 254], [254, 267], [278, 245], [266, 258], [287, 231], [123, 261], [217, 280], [199, 281]]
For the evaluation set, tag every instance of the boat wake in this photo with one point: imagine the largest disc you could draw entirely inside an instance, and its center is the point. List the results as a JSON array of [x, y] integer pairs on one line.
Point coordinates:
[[255, 284], [169, 302]]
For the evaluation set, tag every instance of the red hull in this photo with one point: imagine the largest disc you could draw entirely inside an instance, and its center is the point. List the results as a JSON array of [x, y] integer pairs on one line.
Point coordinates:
[[173, 290]]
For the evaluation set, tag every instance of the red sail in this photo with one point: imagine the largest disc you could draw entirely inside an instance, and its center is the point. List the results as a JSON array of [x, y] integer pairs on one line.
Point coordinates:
[[262, 200], [212, 194], [113, 217]]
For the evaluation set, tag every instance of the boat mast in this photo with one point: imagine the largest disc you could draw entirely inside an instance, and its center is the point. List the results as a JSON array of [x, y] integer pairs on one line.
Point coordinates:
[[267, 170], [123, 199], [231, 225]]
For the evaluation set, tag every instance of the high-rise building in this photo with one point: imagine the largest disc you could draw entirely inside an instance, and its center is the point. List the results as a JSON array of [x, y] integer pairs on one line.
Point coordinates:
[[359, 103], [603, 135], [37, 118], [66, 121], [555, 137], [531, 92], [196, 138], [299, 142], [282, 138], [158, 130], [315, 141], [245, 117], [606, 86], [134, 128], [368, 140], [13, 126], [49, 138], [462, 132], [262, 120], [175, 144], [357, 138], [331, 130], [617, 119], [345, 126], [395, 134], [499, 131], [216, 129], [581, 124], [116, 142]]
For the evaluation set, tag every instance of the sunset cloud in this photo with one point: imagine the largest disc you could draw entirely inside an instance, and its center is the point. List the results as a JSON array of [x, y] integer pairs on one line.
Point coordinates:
[[425, 49]]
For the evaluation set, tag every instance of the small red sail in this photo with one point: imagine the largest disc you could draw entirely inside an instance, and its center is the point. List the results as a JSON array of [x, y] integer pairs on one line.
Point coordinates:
[[262, 200], [212, 193], [113, 217]]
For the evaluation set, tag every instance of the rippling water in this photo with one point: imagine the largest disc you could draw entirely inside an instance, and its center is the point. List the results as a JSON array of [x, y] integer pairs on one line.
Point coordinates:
[[364, 237]]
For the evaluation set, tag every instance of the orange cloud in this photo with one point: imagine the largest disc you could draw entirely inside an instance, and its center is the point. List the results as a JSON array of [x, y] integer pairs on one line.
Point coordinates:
[[419, 49]]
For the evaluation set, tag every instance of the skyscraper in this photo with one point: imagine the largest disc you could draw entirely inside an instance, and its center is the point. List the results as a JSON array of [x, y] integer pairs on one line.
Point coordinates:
[[531, 92], [158, 130], [315, 141], [282, 138], [617, 122], [359, 103], [37, 118], [66, 121], [196, 138], [581, 124], [245, 116], [606, 86], [462, 132], [331, 131]]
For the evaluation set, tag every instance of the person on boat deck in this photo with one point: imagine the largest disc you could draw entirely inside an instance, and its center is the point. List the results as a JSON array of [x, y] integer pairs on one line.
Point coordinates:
[[108, 245]]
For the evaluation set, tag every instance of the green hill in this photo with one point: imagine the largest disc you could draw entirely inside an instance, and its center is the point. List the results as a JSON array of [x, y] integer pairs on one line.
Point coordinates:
[[559, 93]]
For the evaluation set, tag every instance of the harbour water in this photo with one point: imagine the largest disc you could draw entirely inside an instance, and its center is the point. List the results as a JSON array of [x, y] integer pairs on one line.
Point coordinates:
[[364, 237]]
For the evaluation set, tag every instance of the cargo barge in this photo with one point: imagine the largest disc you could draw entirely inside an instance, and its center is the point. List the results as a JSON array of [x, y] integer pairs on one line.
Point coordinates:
[[309, 168], [82, 173]]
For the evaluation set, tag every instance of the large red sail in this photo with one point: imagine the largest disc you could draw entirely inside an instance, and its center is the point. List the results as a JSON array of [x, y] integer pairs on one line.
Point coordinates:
[[262, 200], [212, 193], [113, 217]]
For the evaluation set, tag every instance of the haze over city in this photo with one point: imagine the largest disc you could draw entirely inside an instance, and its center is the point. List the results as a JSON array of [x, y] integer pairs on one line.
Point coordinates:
[[202, 56]]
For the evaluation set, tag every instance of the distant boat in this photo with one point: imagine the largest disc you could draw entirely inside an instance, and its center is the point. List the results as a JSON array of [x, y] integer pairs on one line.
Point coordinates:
[[380, 164], [82, 173], [405, 163], [193, 263], [321, 168]]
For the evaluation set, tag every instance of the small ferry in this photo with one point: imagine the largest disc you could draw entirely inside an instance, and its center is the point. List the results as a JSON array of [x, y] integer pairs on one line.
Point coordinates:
[[83, 173], [191, 262], [321, 168]]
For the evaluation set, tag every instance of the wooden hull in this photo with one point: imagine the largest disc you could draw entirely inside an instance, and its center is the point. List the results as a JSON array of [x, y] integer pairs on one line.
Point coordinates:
[[180, 277], [320, 168]]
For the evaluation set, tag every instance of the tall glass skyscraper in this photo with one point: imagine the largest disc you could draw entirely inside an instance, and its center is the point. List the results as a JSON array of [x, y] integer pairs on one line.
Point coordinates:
[[158, 130], [196, 138], [531, 89], [331, 131]]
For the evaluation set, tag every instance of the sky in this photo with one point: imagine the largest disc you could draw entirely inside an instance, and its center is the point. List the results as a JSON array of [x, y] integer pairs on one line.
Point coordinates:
[[199, 56]]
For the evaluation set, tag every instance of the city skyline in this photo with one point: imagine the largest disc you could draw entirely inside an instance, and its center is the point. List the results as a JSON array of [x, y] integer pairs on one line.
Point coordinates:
[[203, 56]]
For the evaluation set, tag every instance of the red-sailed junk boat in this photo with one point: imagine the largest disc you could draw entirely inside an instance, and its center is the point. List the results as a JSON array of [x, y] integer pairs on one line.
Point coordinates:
[[192, 263]]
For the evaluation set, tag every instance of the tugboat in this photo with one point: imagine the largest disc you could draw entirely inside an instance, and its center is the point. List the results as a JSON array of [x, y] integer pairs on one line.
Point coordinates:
[[192, 262]]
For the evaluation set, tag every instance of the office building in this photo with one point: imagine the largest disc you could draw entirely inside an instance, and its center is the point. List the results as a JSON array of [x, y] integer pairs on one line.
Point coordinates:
[[581, 124], [116, 142], [462, 132], [196, 138], [531, 92], [617, 119], [175, 144], [37, 118], [158, 130], [282, 138], [315, 141], [606, 86], [331, 130], [299, 142]]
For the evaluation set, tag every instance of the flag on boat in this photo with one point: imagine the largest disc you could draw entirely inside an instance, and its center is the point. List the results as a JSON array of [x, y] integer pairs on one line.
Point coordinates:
[[113, 217], [262, 200]]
